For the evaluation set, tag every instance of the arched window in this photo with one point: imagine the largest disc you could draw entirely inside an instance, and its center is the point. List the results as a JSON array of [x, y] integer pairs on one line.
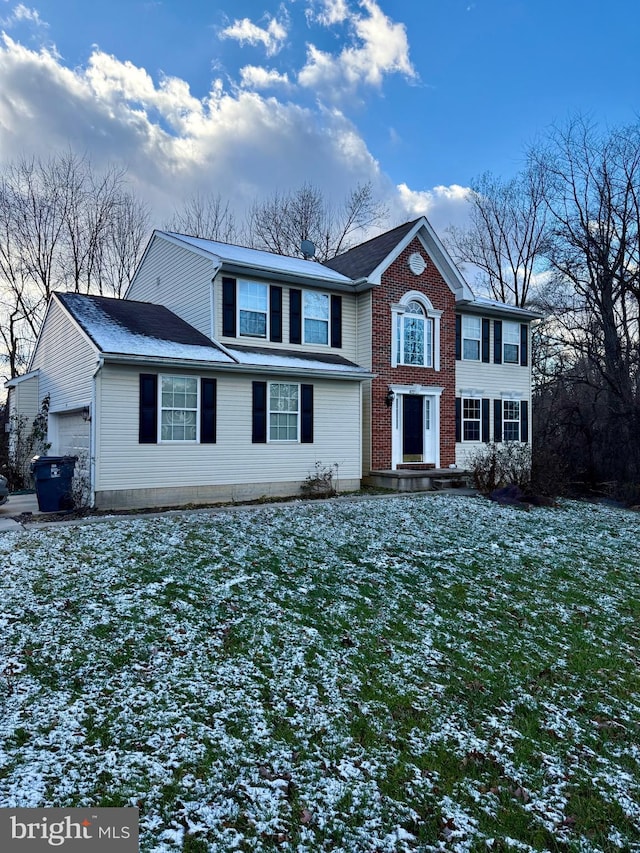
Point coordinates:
[[414, 336]]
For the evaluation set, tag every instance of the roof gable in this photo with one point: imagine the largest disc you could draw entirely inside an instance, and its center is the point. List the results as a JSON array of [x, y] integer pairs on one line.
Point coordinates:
[[362, 260], [372, 258]]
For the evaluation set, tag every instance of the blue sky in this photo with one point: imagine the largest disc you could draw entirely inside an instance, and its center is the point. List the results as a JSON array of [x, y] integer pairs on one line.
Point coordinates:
[[248, 96]]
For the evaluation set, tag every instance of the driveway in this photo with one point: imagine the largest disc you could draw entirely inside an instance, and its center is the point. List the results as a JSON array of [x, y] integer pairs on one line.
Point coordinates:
[[17, 505]]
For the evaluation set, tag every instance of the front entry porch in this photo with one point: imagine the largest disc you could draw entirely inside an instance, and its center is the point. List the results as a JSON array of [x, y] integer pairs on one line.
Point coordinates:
[[416, 480]]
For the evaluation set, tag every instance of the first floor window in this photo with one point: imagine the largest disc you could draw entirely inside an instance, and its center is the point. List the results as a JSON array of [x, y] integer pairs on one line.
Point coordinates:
[[316, 318], [415, 336], [511, 343], [178, 408], [253, 304], [471, 420], [511, 420], [284, 406]]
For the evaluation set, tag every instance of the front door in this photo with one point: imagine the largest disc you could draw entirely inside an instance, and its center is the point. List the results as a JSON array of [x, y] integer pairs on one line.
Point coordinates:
[[412, 428]]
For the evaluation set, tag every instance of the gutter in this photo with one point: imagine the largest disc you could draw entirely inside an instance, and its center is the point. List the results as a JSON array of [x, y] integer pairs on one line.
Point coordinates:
[[93, 432], [212, 366]]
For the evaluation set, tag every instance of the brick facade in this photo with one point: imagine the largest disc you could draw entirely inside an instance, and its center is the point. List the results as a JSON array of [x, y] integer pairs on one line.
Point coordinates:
[[397, 280]]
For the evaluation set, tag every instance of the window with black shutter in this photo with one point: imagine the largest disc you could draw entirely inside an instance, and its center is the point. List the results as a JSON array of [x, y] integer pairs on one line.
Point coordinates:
[[148, 413], [207, 411]]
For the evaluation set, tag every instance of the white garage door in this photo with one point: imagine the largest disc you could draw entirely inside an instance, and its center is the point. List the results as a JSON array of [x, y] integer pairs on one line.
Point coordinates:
[[73, 439], [73, 435]]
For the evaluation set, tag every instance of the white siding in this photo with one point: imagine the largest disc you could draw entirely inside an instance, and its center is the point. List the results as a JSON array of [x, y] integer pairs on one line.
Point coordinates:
[[349, 339], [124, 464], [24, 399], [177, 278], [493, 382], [66, 360]]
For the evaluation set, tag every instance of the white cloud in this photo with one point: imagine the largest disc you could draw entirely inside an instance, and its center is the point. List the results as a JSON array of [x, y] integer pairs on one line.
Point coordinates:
[[443, 206], [22, 14], [380, 47], [331, 12], [256, 77], [239, 143], [245, 31]]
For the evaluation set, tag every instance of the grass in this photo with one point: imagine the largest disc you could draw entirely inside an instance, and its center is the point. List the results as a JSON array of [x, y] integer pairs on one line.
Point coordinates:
[[418, 673]]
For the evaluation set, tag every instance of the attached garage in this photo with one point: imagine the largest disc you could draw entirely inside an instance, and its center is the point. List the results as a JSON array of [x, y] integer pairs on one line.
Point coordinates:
[[72, 435]]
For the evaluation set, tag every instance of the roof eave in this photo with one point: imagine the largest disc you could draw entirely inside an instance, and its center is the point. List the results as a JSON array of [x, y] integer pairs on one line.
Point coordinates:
[[474, 307], [255, 270], [198, 364]]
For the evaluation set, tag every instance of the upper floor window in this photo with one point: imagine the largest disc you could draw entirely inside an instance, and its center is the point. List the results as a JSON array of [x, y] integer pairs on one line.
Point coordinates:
[[415, 336], [471, 338], [511, 342], [253, 308], [179, 408], [316, 317]]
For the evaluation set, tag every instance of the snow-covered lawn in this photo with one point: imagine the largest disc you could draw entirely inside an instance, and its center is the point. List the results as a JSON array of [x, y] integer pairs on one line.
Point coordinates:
[[420, 673]]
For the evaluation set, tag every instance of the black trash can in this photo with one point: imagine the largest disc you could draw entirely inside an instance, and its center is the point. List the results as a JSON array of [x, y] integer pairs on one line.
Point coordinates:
[[53, 477]]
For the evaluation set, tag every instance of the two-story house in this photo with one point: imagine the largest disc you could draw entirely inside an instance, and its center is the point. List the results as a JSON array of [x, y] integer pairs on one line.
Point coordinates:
[[229, 373]]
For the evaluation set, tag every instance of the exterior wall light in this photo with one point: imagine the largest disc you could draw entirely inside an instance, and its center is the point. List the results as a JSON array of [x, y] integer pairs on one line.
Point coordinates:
[[390, 397]]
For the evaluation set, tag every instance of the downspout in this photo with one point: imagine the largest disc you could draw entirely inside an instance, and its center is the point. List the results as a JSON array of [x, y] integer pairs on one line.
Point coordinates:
[[216, 267], [93, 433]]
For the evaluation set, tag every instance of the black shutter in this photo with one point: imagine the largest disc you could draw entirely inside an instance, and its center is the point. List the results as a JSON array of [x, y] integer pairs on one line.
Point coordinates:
[[275, 314], [306, 426], [497, 341], [148, 420], [207, 411], [295, 316], [524, 420], [485, 420], [458, 419], [336, 321], [497, 420], [486, 326], [458, 337], [259, 428], [229, 307], [524, 345]]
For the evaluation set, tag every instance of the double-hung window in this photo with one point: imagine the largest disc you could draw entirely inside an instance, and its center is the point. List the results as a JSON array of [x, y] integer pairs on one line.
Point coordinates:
[[316, 317], [284, 411], [179, 408], [415, 336], [511, 343], [471, 420], [253, 308], [471, 337], [511, 420]]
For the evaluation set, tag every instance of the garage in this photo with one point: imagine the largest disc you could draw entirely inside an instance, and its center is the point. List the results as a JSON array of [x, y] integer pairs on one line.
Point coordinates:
[[71, 436]]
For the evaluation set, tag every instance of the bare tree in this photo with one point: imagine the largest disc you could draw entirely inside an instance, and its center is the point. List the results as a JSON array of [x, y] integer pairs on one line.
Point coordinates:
[[62, 226], [205, 216], [592, 195], [507, 236], [281, 222]]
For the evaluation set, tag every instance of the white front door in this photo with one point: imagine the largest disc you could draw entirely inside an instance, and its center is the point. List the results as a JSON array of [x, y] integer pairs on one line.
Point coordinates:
[[416, 426]]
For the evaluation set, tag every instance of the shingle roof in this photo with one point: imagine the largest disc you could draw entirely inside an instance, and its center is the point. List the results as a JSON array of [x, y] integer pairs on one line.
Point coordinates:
[[297, 359], [362, 260], [258, 259], [138, 328]]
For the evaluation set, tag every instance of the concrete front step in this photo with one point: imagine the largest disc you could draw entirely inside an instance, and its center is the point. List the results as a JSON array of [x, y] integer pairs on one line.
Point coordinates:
[[404, 480]]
